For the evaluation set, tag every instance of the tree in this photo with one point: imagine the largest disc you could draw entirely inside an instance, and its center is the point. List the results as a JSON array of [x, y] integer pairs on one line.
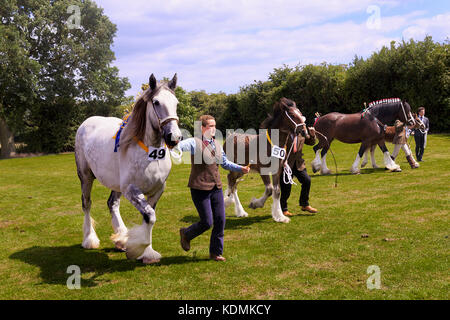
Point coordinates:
[[65, 65]]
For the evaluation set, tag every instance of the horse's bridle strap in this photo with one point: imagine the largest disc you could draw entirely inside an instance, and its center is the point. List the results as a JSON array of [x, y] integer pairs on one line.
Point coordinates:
[[270, 141], [163, 122]]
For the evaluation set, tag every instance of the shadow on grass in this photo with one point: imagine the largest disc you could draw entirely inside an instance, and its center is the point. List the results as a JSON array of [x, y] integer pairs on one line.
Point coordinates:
[[363, 171], [232, 222], [54, 261]]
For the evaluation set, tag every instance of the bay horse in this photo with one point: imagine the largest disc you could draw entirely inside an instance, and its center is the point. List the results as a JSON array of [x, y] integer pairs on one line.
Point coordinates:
[[388, 136], [127, 165], [365, 127], [286, 121]]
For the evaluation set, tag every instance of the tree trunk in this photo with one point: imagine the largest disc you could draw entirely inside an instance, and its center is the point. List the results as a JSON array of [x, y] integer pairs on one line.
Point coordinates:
[[6, 140]]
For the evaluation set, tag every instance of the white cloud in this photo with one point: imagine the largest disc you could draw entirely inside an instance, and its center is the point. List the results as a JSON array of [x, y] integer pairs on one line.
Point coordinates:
[[221, 45], [438, 26]]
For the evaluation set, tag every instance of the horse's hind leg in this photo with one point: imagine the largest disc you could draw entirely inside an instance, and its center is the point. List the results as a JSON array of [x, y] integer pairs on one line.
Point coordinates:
[[228, 197], [90, 239], [372, 154], [365, 159], [277, 212], [120, 230], [232, 192], [355, 167], [259, 203], [316, 164], [372, 157], [388, 162]]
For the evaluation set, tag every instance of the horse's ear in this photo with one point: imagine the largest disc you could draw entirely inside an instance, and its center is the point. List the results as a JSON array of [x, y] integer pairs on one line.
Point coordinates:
[[152, 82], [173, 82]]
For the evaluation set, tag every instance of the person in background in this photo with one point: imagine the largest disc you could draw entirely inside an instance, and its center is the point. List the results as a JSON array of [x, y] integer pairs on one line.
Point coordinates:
[[421, 136], [206, 187], [297, 164]]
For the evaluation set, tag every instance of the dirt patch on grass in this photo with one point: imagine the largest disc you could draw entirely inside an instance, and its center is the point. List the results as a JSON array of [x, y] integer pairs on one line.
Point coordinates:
[[5, 224]]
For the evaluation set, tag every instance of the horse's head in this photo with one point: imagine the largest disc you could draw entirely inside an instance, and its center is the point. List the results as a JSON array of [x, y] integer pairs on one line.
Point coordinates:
[[418, 124], [162, 109], [405, 114], [291, 116]]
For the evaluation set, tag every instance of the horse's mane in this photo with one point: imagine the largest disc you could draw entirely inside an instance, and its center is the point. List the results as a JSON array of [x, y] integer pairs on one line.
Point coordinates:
[[272, 119], [384, 102], [137, 121]]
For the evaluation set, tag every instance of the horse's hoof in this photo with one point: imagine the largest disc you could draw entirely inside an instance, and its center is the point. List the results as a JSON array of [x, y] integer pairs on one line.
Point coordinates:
[[91, 242], [325, 173], [120, 247], [242, 214], [283, 219]]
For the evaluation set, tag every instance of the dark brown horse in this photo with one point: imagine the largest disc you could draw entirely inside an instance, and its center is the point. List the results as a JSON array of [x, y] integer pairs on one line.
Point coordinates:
[[366, 127], [260, 152]]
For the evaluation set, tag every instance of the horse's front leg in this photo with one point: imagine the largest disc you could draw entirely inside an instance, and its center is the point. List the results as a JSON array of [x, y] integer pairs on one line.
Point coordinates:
[[389, 163], [120, 230], [277, 212], [355, 167], [259, 203], [316, 164], [139, 243], [372, 155], [365, 159]]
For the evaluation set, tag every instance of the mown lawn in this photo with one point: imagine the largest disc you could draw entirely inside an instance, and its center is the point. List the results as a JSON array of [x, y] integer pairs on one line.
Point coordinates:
[[397, 221]]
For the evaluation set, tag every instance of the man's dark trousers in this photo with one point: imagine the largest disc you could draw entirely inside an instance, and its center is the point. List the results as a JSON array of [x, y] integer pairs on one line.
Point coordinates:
[[211, 209], [304, 179], [419, 137]]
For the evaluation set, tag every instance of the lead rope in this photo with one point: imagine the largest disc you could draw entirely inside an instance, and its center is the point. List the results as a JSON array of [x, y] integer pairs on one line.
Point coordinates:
[[334, 158], [287, 171], [176, 154]]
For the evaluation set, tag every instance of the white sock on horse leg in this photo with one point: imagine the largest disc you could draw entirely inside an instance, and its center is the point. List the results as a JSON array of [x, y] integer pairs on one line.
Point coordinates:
[[316, 163], [372, 155], [228, 198], [277, 212], [365, 158], [397, 148], [355, 166], [324, 169], [90, 239], [238, 209], [119, 237], [390, 164], [406, 150]]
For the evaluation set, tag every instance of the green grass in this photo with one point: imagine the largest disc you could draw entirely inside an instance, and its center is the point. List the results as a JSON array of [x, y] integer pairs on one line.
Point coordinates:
[[313, 257]]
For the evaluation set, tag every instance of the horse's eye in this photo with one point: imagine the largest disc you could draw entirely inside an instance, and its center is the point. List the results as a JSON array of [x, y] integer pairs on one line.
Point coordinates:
[[156, 103]]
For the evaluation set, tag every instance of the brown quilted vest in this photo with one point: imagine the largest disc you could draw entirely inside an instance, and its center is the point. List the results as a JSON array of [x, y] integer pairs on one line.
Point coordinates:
[[205, 166]]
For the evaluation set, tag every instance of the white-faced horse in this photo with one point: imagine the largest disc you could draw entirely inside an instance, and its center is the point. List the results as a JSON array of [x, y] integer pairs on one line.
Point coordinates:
[[135, 164]]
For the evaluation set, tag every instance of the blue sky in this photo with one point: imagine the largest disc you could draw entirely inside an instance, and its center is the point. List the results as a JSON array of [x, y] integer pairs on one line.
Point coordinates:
[[221, 45]]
